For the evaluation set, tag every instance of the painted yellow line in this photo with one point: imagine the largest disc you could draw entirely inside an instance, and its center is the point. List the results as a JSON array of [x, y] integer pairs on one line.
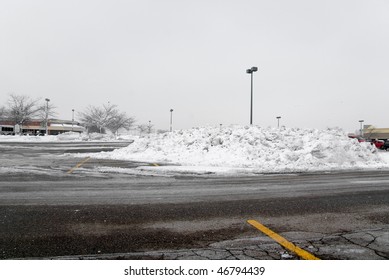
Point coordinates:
[[155, 164], [282, 241], [78, 165]]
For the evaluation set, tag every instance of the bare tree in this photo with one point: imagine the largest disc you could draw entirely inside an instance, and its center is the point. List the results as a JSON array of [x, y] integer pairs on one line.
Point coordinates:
[[93, 117], [142, 128], [149, 127], [3, 112], [22, 108], [50, 108], [119, 121], [106, 116]]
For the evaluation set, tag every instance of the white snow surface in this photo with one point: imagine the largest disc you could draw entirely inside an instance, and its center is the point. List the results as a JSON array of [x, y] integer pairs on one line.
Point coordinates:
[[262, 150]]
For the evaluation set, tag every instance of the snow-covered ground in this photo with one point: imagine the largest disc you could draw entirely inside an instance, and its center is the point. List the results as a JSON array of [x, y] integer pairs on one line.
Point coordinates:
[[250, 149], [233, 149]]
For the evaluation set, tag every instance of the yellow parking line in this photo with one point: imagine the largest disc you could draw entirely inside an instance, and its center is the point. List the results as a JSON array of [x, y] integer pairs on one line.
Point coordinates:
[[155, 164], [78, 165], [282, 241]]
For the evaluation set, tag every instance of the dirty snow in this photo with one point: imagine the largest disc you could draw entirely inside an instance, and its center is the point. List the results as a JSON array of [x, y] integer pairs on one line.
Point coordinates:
[[251, 149]]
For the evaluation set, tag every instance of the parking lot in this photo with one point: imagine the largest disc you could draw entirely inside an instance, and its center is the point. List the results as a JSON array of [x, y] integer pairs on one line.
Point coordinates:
[[55, 205]]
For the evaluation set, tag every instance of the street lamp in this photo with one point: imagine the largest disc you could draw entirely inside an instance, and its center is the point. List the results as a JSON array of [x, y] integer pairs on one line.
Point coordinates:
[[47, 116], [251, 71], [149, 127], [278, 121], [72, 118], [361, 131], [171, 120]]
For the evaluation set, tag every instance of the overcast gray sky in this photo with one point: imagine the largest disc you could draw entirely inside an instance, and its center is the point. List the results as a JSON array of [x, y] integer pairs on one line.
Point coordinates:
[[321, 63]]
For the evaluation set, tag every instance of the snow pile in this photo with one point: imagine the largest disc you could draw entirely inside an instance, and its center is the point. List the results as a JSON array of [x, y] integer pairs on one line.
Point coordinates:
[[264, 150], [71, 136]]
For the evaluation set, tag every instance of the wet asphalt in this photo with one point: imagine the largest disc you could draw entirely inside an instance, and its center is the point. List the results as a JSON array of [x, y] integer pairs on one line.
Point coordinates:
[[108, 209]]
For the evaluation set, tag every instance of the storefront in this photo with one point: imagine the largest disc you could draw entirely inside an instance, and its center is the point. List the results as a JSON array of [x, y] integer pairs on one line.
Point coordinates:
[[38, 127]]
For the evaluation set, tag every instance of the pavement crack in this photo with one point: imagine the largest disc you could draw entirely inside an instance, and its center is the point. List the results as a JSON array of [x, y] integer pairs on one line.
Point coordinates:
[[371, 242]]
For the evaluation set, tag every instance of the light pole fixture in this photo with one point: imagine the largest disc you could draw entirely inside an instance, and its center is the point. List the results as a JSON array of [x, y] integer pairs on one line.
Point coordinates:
[[149, 127], [72, 118], [278, 121], [251, 71], [171, 120], [47, 116], [361, 131]]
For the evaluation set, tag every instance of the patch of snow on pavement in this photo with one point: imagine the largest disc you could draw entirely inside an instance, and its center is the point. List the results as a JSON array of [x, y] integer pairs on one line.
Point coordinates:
[[258, 149]]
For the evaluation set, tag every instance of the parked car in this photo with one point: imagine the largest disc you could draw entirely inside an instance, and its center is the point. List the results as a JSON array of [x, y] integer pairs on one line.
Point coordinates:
[[378, 143], [359, 138], [385, 146]]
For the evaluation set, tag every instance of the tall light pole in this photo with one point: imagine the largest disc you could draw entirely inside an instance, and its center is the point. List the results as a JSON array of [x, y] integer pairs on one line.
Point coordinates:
[[278, 121], [47, 116], [251, 71], [171, 120], [361, 131], [72, 118]]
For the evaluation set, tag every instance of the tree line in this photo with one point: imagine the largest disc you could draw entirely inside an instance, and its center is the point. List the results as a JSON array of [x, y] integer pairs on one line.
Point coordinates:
[[21, 109]]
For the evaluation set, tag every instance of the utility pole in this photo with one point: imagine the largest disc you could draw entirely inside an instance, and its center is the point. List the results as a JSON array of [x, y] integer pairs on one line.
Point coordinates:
[[47, 116], [171, 120], [251, 71]]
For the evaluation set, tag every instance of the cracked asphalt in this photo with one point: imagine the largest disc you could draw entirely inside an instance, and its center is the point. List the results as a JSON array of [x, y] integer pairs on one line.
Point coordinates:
[[46, 213], [361, 245]]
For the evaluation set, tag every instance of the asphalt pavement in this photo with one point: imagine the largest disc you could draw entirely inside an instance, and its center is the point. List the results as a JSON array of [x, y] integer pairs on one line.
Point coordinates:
[[53, 207]]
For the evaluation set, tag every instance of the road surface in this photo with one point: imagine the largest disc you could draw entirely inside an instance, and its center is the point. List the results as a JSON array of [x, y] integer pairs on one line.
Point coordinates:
[[53, 207]]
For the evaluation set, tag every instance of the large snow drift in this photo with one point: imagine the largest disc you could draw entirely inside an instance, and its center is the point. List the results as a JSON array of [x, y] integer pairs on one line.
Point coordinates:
[[262, 150]]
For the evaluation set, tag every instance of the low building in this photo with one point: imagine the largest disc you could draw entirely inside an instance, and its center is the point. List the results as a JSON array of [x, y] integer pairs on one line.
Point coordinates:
[[372, 132], [38, 127]]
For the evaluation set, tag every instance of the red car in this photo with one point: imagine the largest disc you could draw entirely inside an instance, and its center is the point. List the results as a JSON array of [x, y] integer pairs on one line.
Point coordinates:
[[378, 143], [359, 138]]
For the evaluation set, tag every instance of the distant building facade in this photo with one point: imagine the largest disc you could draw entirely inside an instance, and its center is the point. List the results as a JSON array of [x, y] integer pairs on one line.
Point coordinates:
[[372, 132], [38, 127]]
